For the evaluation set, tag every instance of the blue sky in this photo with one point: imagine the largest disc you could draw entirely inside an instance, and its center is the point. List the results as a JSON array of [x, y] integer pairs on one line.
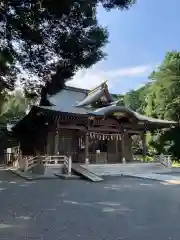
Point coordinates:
[[138, 41]]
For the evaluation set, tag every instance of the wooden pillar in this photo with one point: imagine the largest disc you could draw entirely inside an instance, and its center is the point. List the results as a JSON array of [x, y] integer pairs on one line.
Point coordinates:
[[56, 140], [56, 143], [127, 147], [122, 146], [144, 146], [86, 148], [48, 147], [117, 152], [130, 148]]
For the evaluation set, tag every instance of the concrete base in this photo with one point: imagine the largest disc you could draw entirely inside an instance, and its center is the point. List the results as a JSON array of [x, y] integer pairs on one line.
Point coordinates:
[[49, 175], [151, 171], [30, 176], [38, 169], [119, 169], [158, 177], [67, 177]]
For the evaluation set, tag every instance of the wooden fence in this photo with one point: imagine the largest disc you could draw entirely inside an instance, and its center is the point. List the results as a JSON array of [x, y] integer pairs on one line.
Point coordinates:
[[27, 163], [68, 164]]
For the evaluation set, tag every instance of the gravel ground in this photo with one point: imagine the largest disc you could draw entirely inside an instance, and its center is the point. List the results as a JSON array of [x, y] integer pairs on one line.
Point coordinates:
[[116, 209]]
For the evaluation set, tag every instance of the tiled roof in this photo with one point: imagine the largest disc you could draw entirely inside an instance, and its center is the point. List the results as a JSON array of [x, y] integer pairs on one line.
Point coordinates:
[[66, 101], [75, 100]]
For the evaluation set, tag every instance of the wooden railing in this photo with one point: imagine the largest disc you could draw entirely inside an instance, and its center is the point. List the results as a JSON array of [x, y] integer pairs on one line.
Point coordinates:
[[27, 163], [164, 160], [51, 160], [68, 164]]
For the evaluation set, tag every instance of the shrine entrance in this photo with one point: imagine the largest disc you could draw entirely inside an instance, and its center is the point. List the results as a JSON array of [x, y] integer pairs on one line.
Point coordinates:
[[104, 147]]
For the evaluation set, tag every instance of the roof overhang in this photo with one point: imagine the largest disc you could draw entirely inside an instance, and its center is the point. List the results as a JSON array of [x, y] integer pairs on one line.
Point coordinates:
[[142, 122], [133, 120]]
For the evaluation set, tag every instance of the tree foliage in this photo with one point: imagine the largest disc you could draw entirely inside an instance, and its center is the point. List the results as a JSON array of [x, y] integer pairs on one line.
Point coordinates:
[[161, 99], [14, 106], [50, 39], [136, 99], [164, 98], [164, 101]]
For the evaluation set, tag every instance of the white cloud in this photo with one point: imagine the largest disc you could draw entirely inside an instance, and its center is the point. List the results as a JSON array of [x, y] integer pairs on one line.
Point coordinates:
[[92, 77]]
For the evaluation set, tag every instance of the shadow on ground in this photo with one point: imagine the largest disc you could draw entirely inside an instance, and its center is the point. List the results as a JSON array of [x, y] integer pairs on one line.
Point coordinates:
[[118, 208]]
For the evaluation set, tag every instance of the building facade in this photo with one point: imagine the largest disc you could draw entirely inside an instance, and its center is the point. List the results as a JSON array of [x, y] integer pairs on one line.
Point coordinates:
[[89, 126]]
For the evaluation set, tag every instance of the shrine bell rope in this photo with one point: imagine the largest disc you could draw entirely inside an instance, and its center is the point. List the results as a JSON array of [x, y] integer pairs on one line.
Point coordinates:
[[103, 136]]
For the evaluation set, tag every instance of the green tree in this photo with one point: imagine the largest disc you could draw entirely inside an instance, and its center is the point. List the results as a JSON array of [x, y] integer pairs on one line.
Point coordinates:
[[136, 99], [165, 90], [50, 39], [164, 102], [119, 98], [14, 106]]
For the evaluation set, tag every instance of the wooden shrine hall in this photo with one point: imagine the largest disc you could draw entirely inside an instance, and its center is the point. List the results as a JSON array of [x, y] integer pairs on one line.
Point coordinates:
[[89, 126]]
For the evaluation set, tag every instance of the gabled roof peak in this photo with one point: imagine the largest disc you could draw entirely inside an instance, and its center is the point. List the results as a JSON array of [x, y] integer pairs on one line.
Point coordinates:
[[76, 89]]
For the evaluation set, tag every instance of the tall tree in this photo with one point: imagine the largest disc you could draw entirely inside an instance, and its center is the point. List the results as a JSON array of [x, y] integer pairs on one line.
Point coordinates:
[[165, 90], [50, 39], [136, 99], [164, 102]]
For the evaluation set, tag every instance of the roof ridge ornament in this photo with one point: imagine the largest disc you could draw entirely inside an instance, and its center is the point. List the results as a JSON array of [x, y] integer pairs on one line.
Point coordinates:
[[95, 96], [102, 85]]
